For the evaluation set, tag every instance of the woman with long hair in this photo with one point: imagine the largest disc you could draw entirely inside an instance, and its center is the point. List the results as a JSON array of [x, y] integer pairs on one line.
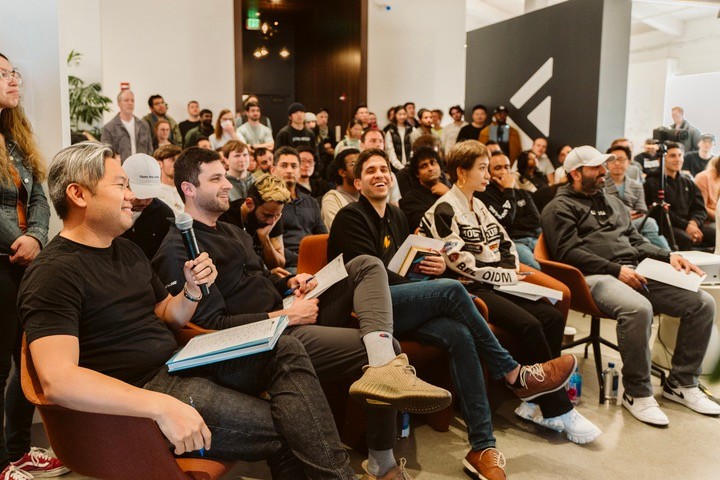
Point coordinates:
[[352, 136], [528, 177], [482, 254], [708, 181], [224, 130], [397, 139], [24, 218]]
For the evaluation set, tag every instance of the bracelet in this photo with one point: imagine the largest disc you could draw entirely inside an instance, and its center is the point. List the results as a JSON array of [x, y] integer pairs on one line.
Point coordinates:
[[190, 297]]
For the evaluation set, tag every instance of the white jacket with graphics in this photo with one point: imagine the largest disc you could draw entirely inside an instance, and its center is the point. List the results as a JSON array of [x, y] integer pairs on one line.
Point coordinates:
[[476, 245]]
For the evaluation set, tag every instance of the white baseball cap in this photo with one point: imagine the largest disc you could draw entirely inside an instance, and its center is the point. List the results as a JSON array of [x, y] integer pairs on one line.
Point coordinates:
[[143, 172], [585, 156]]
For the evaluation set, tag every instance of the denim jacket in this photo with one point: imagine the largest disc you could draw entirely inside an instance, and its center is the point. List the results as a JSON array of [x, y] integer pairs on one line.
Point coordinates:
[[38, 211]]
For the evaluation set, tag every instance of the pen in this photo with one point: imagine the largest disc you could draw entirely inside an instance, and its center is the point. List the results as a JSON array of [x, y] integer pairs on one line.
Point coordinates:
[[645, 287], [290, 291], [202, 450], [526, 273]]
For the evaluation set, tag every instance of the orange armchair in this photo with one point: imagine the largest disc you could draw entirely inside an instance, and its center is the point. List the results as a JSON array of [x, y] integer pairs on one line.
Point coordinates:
[[111, 447]]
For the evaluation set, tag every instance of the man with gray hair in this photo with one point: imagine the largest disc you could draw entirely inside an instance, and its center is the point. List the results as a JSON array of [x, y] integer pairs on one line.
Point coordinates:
[[104, 350], [126, 133]]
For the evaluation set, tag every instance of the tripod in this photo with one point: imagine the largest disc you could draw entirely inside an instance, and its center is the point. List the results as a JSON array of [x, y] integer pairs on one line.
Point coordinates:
[[661, 205]]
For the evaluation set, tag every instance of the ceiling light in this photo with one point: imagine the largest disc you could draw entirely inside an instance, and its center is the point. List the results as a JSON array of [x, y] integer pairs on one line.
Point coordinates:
[[284, 53]]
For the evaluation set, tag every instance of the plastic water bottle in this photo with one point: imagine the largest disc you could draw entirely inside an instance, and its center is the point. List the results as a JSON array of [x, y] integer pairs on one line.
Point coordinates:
[[610, 383], [574, 387], [404, 424]]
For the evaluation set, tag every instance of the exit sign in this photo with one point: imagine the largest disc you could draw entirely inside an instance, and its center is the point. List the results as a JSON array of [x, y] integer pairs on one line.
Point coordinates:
[[252, 24]]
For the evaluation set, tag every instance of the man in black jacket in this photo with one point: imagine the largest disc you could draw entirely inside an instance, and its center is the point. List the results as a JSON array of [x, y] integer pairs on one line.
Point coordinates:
[[151, 216], [592, 231], [438, 312], [424, 165], [246, 292], [513, 207], [687, 207]]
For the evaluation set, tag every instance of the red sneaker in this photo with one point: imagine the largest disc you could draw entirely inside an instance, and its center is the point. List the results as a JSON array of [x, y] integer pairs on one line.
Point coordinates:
[[40, 463], [13, 473]]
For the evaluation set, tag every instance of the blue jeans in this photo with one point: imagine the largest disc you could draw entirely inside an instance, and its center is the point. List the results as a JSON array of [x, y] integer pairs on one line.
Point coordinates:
[[441, 312], [525, 247], [651, 231], [294, 431]]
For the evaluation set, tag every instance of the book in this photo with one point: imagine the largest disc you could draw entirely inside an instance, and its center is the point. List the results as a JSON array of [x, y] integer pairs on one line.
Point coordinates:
[[410, 267], [531, 291], [229, 343], [665, 273], [328, 276], [410, 242]]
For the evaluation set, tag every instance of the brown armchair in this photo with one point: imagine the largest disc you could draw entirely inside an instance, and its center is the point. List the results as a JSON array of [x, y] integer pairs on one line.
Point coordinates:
[[111, 447]]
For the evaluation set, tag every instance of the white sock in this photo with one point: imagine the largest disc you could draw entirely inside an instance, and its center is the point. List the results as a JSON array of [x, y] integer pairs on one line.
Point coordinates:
[[380, 462], [379, 346]]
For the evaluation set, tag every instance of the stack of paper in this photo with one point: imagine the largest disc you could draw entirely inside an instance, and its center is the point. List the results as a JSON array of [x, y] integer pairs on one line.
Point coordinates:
[[531, 291], [328, 276], [665, 273]]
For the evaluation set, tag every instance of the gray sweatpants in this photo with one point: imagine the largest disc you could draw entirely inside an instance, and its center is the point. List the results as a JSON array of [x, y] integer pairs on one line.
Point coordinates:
[[634, 312]]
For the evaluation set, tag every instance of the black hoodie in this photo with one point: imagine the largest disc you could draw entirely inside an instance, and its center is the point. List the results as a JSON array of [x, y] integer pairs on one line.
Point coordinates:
[[594, 233]]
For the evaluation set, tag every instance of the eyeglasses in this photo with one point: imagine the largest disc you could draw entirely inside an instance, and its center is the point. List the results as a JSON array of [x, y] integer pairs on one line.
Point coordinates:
[[8, 75]]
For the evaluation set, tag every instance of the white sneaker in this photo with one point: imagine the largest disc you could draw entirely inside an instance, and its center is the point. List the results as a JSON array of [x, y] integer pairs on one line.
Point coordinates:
[[578, 429], [531, 412], [691, 397], [11, 472], [645, 409]]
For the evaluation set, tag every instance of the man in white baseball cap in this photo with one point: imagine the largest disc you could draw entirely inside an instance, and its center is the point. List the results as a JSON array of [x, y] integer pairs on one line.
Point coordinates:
[[151, 216], [593, 232]]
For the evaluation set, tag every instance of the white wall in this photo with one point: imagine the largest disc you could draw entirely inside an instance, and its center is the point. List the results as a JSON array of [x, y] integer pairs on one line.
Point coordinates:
[[698, 96], [80, 31], [181, 49], [416, 52]]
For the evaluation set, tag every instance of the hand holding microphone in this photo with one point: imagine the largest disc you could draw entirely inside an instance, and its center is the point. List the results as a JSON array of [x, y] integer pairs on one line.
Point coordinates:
[[204, 269]]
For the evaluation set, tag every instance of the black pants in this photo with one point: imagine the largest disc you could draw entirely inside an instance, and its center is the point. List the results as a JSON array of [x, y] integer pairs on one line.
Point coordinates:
[[683, 239], [539, 326], [14, 407]]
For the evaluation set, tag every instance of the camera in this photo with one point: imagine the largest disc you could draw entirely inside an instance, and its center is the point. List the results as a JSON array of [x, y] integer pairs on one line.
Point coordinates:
[[664, 134]]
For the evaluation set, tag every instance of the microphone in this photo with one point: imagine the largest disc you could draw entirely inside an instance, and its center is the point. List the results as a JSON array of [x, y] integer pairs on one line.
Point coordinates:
[[184, 223]]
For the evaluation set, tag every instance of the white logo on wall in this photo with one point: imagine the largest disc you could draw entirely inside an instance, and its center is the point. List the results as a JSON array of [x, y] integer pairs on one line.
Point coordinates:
[[540, 116]]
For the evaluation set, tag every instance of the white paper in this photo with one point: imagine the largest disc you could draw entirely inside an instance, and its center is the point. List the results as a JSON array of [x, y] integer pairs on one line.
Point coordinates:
[[231, 338], [328, 276], [531, 291], [413, 241], [665, 273]]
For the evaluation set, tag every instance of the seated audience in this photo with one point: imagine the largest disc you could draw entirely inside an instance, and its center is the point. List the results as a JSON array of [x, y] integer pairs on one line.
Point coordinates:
[[259, 215], [397, 140], [649, 159], [309, 181], [544, 164], [687, 208], [161, 132], [345, 192], [592, 231], [698, 160], [203, 130], [264, 160], [151, 217], [708, 181], [294, 134], [103, 349], [253, 131], [619, 184], [560, 173], [301, 216], [166, 157], [635, 169], [237, 157], [481, 253], [245, 293], [429, 185], [353, 133], [513, 208], [438, 312], [204, 143], [478, 120], [224, 130], [527, 176]]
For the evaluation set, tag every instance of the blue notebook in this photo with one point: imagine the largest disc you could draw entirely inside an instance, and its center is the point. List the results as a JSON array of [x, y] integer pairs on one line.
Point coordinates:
[[230, 343]]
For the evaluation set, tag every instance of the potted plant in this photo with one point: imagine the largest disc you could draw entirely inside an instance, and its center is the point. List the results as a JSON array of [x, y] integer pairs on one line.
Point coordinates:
[[87, 103]]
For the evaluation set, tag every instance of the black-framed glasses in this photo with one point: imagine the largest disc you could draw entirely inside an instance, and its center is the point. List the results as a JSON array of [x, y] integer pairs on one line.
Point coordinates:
[[8, 75]]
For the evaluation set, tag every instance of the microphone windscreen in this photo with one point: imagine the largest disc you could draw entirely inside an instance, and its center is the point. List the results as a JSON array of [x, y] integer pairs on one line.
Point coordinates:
[[184, 222]]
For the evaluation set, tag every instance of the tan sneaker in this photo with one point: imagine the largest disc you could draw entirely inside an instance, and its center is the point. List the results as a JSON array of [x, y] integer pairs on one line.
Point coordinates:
[[488, 464], [397, 473], [396, 385], [543, 378]]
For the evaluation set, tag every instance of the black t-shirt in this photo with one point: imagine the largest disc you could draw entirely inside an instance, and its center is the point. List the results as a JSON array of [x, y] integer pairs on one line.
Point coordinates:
[[290, 137], [468, 132], [106, 298], [234, 216]]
